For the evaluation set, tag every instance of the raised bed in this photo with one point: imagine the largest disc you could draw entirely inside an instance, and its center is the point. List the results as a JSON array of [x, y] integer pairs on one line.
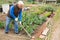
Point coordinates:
[[40, 28]]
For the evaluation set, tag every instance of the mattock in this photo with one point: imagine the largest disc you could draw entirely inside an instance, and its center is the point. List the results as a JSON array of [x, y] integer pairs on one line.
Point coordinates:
[[25, 30]]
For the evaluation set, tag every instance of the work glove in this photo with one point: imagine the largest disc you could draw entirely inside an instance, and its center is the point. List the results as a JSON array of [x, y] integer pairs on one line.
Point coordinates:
[[20, 22], [16, 19]]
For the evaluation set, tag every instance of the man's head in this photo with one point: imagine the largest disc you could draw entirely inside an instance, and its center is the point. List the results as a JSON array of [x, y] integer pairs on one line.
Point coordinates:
[[20, 4]]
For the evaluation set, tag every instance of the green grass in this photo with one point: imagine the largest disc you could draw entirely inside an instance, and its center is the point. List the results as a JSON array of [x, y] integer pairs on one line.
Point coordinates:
[[57, 16]]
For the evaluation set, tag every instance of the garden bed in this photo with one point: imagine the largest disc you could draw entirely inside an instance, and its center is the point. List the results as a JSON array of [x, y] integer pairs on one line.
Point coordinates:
[[3, 18], [34, 20]]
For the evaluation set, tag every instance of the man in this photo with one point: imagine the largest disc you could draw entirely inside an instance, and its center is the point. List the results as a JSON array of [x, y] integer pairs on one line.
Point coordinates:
[[15, 13]]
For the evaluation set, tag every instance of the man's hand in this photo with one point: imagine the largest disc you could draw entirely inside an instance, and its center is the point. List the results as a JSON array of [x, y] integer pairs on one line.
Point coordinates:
[[16, 19], [20, 22]]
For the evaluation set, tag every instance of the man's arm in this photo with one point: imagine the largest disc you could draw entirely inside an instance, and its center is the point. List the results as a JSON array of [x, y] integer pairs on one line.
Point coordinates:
[[20, 15], [12, 12]]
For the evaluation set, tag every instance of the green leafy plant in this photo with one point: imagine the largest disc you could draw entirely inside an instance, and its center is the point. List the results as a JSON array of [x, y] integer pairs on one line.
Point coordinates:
[[1, 24], [30, 29], [49, 9], [31, 20], [47, 14], [20, 28]]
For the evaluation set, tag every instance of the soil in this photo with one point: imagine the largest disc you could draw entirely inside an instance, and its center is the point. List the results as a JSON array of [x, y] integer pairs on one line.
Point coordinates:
[[39, 30], [2, 17], [12, 36], [56, 32]]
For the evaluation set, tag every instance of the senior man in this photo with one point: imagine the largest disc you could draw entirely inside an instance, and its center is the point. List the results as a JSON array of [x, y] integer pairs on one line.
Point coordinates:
[[14, 13]]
